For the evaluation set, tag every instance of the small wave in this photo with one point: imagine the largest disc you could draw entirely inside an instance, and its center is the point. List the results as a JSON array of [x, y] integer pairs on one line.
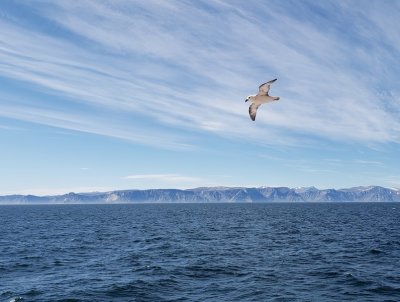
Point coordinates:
[[329, 240], [57, 263], [21, 265], [16, 299], [357, 281], [375, 251], [33, 292], [140, 289], [325, 274], [385, 289], [206, 271]]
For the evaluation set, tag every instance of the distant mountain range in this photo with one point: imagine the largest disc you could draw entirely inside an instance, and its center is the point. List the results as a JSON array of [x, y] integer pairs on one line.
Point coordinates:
[[216, 194]]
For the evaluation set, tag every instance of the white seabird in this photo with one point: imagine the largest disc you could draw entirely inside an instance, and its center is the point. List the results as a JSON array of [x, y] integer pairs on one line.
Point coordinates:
[[262, 97]]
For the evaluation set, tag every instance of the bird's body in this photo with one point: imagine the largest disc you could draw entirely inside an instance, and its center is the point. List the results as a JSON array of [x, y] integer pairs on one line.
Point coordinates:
[[260, 98]]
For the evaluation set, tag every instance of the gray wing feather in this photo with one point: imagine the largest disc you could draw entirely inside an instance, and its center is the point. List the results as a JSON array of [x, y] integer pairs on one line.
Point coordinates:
[[253, 111], [264, 88]]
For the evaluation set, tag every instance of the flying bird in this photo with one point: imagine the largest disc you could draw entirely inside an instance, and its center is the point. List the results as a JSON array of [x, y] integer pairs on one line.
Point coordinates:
[[262, 97]]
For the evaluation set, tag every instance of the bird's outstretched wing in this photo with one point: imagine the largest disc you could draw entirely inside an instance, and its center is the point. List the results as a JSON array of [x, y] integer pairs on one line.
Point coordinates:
[[253, 111], [264, 88]]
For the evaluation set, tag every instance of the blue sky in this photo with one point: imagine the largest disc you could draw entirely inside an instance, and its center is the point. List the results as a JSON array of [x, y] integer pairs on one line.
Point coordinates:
[[104, 95]]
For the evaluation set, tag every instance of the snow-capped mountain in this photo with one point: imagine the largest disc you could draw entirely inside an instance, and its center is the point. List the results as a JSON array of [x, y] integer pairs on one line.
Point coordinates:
[[216, 194]]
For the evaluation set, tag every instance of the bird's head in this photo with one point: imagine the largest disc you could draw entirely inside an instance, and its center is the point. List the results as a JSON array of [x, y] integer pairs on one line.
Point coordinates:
[[248, 98]]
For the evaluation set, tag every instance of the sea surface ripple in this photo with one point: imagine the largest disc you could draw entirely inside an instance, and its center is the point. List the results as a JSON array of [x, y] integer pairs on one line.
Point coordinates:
[[200, 252]]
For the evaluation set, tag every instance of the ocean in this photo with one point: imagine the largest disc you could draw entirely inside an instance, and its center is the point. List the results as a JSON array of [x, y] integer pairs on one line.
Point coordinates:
[[200, 252]]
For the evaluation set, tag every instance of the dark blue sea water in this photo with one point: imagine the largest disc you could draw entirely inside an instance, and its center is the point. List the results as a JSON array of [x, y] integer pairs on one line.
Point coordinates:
[[201, 252]]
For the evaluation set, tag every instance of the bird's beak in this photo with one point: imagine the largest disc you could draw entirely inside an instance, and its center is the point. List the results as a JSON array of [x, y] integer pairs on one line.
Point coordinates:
[[246, 100]]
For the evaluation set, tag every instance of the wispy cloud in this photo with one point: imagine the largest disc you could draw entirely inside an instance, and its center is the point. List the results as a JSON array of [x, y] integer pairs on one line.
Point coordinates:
[[4, 127], [346, 162], [43, 191], [393, 181], [369, 162], [79, 121], [164, 177], [174, 68]]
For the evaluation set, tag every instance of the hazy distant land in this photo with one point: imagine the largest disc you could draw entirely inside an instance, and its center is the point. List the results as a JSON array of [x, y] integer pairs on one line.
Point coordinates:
[[216, 194]]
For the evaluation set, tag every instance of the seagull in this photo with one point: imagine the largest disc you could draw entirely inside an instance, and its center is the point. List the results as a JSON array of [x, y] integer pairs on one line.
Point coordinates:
[[261, 98]]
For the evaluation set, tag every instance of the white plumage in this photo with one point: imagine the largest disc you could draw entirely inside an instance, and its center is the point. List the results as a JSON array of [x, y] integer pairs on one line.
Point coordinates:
[[261, 97]]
